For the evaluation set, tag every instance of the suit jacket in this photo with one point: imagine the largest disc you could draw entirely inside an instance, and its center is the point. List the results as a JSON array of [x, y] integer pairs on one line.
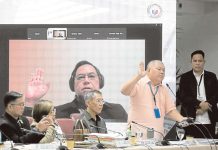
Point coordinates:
[[11, 129], [110, 111], [188, 94]]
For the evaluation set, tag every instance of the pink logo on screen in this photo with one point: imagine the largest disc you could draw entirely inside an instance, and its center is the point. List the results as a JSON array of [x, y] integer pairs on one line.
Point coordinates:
[[154, 11]]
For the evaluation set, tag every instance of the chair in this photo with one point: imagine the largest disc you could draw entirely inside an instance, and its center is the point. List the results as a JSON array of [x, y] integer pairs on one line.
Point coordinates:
[[75, 116], [66, 125], [30, 119]]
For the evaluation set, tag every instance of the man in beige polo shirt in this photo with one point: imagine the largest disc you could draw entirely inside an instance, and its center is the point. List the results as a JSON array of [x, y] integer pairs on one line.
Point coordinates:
[[150, 101]]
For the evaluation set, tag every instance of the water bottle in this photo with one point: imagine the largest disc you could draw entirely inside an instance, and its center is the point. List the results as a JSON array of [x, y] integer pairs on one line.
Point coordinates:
[[150, 133], [128, 132]]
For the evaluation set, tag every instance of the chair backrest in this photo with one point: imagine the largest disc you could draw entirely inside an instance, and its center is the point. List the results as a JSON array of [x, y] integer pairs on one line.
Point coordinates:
[[66, 125], [75, 116], [30, 119]]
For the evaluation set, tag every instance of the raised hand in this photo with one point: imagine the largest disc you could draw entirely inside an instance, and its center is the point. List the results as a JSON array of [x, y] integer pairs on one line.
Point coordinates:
[[142, 71], [44, 123], [36, 88]]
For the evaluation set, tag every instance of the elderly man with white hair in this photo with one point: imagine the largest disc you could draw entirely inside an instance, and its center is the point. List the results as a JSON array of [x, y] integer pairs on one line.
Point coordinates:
[[150, 101]]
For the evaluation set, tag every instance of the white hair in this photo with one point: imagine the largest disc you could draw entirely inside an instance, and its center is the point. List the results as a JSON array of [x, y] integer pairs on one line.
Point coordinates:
[[152, 63]]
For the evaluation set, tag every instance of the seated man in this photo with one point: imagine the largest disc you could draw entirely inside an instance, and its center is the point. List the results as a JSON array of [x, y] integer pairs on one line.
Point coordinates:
[[90, 119], [13, 124]]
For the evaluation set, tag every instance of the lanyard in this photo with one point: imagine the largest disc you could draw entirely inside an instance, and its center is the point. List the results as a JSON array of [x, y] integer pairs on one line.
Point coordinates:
[[199, 83], [153, 92]]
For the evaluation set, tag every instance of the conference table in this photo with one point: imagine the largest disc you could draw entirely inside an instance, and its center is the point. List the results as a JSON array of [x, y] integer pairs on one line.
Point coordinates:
[[194, 147], [173, 147], [144, 147]]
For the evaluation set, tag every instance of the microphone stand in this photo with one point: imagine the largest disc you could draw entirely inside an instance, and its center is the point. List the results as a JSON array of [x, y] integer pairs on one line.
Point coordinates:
[[99, 145], [106, 129], [170, 89], [205, 135], [163, 142], [61, 146]]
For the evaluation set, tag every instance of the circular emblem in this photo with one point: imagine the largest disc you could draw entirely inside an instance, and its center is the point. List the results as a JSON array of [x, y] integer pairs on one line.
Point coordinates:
[[154, 10]]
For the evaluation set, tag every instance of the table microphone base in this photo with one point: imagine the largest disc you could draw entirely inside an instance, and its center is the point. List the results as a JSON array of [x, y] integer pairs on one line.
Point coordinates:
[[165, 142], [62, 147], [100, 146]]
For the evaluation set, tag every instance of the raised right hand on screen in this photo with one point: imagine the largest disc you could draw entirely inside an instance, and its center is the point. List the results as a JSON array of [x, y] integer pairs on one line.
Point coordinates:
[[36, 87]]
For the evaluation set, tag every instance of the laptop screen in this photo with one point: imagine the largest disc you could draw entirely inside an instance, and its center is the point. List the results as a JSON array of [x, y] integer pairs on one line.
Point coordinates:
[[171, 134]]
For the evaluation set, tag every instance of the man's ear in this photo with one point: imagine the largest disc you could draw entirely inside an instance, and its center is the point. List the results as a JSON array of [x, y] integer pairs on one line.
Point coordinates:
[[87, 103], [148, 70], [9, 107]]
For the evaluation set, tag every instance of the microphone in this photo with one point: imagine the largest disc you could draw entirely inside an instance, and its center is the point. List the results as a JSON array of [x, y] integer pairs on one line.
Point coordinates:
[[163, 142], [106, 129], [214, 142], [170, 89], [99, 145], [31, 131], [61, 146]]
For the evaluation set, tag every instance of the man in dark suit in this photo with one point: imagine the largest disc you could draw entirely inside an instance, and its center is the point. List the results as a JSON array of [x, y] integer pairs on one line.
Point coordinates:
[[198, 96], [86, 77], [12, 122]]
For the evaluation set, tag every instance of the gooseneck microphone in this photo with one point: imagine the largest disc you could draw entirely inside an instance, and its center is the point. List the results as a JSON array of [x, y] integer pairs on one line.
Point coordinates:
[[208, 132], [163, 142], [61, 146], [148, 128], [99, 145], [30, 131], [106, 129], [170, 89]]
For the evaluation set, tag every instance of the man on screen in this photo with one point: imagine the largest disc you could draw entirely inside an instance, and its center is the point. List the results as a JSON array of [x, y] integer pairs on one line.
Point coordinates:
[[85, 77]]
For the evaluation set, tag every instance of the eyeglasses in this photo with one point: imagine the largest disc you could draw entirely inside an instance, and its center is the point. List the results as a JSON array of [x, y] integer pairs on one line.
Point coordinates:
[[18, 104], [53, 111], [100, 101], [81, 77]]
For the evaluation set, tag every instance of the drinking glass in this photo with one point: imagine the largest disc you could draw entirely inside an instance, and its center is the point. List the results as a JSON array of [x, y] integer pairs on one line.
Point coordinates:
[[180, 133], [70, 144], [139, 136]]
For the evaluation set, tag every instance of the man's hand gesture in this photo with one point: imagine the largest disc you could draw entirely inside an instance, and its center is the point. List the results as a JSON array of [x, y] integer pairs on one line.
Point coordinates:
[[141, 71], [36, 88]]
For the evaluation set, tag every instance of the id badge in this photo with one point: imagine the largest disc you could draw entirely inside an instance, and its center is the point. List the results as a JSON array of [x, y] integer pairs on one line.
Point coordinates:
[[157, 112]]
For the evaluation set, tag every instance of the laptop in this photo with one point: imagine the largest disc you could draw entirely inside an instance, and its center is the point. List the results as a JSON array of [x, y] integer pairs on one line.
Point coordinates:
[[171, 134]]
